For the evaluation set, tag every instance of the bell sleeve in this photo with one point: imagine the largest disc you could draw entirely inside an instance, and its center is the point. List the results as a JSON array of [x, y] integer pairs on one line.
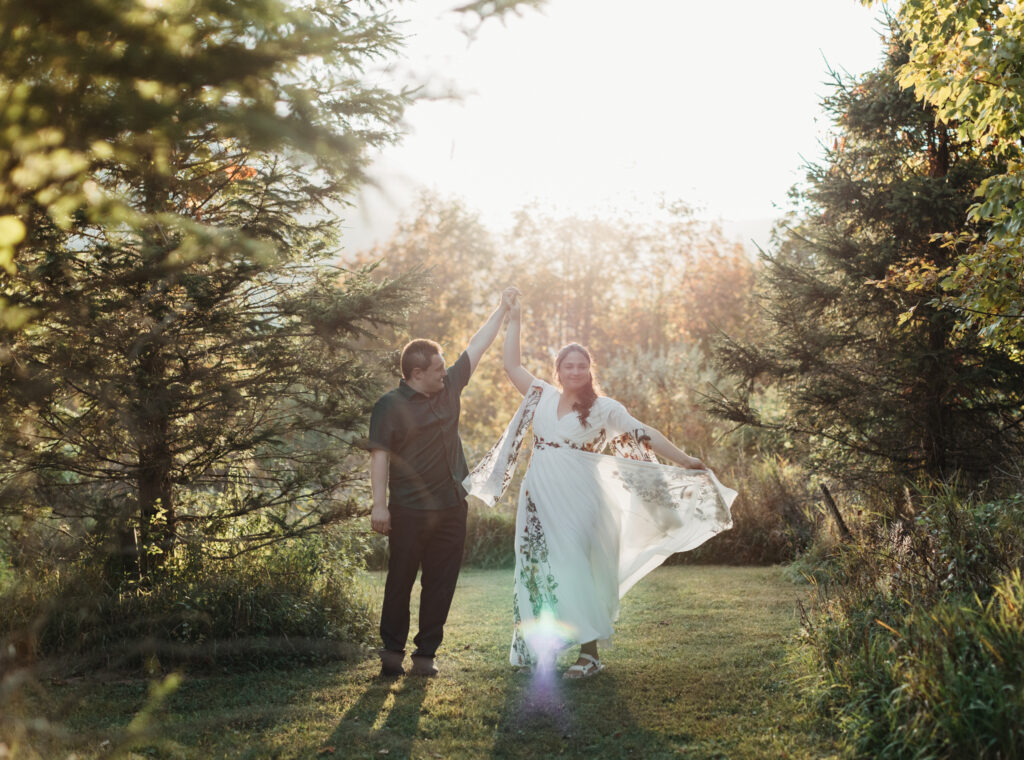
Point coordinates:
[[629, 436], [491, 476]]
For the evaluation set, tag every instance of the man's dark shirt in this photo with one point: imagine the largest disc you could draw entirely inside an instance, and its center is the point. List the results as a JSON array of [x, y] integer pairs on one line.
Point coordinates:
[[421, 433]]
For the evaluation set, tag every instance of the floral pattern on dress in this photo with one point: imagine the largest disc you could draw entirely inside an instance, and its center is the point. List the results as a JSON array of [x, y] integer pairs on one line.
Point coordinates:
[[535, 570], [519, 647], [635, 444], [536, 579], [594, 446], [650, 487], [667, 493]]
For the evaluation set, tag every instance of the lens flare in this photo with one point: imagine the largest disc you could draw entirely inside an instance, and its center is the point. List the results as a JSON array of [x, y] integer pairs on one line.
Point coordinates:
[[542, 700], [545, 637]]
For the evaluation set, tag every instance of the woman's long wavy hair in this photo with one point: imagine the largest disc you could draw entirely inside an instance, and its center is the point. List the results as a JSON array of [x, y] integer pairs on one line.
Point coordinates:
[[589, 394]]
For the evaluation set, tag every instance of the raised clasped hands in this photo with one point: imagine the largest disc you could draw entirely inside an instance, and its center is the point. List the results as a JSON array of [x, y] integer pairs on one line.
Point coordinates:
[[510, 300]]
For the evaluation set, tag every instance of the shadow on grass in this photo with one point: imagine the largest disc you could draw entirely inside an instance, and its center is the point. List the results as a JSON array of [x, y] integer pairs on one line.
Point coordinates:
[[593, 717], [207, 709], [386, 716]]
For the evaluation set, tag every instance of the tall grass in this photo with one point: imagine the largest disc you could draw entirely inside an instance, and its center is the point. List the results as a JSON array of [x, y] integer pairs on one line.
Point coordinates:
[[918, 633]]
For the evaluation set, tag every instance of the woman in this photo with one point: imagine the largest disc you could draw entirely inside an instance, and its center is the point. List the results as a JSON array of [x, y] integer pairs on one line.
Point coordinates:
[[588, 525]]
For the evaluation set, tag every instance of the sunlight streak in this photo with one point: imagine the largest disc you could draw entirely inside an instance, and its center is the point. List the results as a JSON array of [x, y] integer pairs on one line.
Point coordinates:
[[384, 712]]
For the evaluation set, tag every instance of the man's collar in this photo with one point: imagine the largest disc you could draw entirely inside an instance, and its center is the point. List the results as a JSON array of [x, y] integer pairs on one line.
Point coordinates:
[[407, 390]]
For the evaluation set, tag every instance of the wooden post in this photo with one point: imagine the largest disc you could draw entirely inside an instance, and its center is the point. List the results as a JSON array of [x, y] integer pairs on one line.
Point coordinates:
[[844, 532]]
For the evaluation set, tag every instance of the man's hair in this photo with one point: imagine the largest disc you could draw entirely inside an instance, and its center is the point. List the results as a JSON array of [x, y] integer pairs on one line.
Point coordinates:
[[417, 355]]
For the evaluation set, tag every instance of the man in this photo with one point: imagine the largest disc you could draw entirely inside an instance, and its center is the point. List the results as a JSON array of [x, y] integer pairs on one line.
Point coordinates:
[[416, 471]]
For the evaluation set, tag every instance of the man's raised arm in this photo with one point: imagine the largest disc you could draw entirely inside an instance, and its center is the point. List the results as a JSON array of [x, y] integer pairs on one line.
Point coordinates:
[[489, 331]]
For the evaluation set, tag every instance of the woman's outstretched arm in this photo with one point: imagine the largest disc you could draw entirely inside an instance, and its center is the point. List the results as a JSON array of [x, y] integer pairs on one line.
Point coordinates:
[[514, 368], [664, 448], [623, 421]]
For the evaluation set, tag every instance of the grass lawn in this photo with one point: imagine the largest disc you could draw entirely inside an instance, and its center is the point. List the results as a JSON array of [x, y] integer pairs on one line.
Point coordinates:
[[698, 670]]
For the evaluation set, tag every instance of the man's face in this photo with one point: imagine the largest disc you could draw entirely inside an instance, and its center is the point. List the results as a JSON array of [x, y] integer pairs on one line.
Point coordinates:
[[431, 379]]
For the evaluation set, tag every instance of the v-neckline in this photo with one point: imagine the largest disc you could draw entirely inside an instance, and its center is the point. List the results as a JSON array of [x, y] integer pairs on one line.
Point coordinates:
[[559, 401]]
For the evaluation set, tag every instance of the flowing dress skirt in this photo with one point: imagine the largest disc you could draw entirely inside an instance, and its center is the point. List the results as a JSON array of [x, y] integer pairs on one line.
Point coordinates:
[[589, 525]]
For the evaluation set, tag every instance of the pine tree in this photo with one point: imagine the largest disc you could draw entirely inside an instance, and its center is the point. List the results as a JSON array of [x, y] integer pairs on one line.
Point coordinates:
[[178, 354], [877, 381]]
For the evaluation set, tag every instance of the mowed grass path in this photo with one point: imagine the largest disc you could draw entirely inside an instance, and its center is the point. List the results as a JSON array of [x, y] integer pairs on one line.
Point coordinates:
[[699, 670]]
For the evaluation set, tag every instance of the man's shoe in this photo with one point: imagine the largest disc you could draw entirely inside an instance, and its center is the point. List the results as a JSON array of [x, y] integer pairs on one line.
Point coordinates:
[[391, 663], [423, 666]]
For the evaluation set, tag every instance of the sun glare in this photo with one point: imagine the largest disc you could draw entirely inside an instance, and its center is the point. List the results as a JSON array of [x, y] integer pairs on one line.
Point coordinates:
[[586, 105]]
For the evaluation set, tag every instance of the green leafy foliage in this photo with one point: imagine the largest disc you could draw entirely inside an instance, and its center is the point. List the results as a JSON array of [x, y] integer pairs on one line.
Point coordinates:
[[490, 539], [966, 61], [189, 335], [916, 629], [286, 602]]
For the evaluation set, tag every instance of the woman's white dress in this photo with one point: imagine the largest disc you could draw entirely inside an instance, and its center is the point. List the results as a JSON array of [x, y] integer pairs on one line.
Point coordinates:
[[590, 525]]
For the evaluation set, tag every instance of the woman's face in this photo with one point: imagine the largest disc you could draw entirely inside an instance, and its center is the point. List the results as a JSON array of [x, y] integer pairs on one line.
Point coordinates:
[[574, 371]]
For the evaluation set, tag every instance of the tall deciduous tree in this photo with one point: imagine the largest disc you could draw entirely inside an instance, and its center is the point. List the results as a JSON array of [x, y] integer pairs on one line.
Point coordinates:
[[627, 284], [966, 61], [876, 379], [452, 256]]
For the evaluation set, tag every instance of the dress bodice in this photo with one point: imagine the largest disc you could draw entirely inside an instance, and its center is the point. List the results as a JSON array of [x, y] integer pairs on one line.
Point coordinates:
[[607, 420]]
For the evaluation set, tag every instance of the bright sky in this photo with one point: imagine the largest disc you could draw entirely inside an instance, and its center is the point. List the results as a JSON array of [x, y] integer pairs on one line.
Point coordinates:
[[591, 104]]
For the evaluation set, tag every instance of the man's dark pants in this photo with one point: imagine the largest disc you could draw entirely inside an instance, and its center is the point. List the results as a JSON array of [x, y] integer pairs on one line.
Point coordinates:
[[431, 539]]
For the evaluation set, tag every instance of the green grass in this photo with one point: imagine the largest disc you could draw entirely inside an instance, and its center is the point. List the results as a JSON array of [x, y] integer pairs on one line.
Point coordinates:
[[699, 669]]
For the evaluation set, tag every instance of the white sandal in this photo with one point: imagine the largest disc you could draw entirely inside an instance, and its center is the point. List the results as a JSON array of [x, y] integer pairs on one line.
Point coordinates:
[[591, 668]]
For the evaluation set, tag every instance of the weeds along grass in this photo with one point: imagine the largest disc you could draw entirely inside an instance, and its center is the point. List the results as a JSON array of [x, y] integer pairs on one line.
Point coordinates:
[[918, 635], [699, 669]]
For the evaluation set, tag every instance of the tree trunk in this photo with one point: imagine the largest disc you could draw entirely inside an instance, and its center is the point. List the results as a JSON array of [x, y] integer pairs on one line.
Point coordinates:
[[156, 516], [121, 563], [937, 430], [156, 507], [938, 151]]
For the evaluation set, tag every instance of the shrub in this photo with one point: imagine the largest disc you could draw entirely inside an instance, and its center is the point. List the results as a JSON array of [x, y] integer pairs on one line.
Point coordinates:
[[918, 634], [490, 538], [961, 672], [291, 600]]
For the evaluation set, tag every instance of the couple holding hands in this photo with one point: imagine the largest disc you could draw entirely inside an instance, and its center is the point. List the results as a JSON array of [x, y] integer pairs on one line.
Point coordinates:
[[589, 524]]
